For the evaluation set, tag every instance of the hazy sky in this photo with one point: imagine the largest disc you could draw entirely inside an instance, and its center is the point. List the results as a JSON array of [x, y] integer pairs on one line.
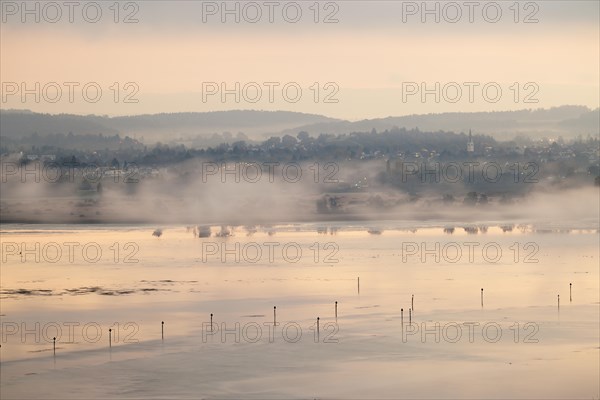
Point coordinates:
[[372, 61]]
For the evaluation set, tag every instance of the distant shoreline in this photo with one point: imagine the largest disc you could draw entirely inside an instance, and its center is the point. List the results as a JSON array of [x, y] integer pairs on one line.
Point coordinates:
[[368, 222]]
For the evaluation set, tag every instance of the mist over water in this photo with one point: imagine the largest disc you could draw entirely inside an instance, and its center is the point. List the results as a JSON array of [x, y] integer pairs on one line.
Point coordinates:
[[254, 193]]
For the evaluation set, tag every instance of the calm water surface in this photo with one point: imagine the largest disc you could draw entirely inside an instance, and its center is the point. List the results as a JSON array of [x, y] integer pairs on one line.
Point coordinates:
[[80, 281]]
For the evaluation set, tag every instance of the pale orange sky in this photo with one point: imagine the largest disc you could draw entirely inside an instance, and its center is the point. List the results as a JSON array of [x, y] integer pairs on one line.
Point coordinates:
[[368, 63]]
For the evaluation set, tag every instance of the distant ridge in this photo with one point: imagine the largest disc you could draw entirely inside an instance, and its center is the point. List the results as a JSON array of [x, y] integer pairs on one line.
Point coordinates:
[[18, 123], [566, 121]]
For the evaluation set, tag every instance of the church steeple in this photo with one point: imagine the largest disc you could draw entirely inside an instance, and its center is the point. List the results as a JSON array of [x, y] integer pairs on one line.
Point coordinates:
[[470, 144]]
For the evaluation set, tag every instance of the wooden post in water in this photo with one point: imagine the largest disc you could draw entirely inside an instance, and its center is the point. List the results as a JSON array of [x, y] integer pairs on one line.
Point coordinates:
[[481, 297], [54, 345], [162, 330], [336, 310], [211, 327], [558, 299], [412, 302], [409, 316], [570, 292], [109, 337], [274, 315], [318, 326], [402, 316]]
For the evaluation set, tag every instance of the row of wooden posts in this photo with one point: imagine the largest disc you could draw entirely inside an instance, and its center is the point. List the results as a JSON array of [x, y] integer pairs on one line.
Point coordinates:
[[410, 315]]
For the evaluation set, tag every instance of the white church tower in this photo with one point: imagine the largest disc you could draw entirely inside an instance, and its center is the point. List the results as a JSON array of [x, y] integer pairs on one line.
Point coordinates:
[[470, 144]]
